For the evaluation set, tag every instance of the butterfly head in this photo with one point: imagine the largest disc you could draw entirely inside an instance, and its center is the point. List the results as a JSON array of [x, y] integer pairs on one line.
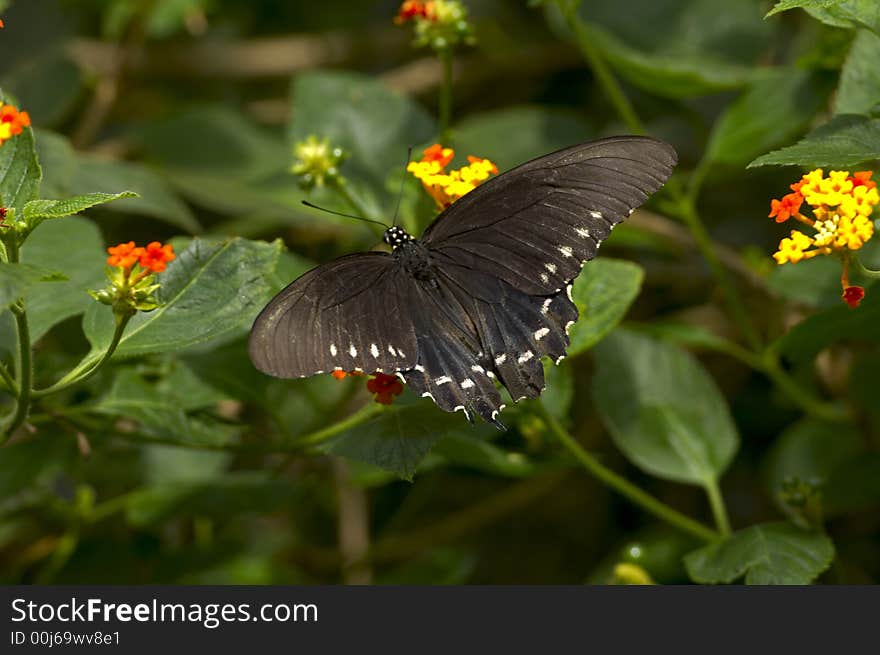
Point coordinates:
[[394, 236]]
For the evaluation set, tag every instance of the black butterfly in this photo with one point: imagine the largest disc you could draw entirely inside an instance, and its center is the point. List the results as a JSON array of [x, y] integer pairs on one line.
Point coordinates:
[[483, 295]]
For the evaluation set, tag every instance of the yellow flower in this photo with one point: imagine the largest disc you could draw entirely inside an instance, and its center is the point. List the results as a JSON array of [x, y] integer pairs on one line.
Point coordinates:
[[316, 162], [445, 188], [792, 249]]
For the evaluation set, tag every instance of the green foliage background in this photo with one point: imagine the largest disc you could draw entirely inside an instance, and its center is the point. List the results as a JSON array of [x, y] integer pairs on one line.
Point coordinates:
[[731, 403]]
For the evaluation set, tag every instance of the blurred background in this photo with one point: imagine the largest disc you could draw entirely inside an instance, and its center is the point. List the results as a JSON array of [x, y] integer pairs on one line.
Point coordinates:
[[196, 105]]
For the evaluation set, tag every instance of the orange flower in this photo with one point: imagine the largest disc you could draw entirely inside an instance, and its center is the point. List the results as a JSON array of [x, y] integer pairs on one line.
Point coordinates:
[[339, 375], [784, 209], [853, 295], [125, 255], [385, 387], [155, 256], [438, 154], [12, 122], [862, 178]]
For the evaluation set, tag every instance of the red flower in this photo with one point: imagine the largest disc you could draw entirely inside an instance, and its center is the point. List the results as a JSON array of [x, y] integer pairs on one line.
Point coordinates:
[[125, 255], [385, 387], [789, 206], [155, 256], [853, 295]]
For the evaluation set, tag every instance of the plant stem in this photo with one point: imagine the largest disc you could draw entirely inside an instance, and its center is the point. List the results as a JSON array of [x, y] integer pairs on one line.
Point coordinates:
[[8, 380], [25, 372], [624, 487], [602, 71], [688, 213], [445, 110], [85, 369], [320, 436], [719, 511]]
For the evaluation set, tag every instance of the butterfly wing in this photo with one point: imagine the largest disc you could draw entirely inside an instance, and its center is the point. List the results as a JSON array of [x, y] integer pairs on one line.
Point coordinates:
[[535, 225], [350, 314], [509, 250]]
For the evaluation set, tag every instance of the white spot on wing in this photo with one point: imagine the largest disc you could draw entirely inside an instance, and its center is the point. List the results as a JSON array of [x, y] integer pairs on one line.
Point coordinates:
[[490, 374], [582, 232], [540, 334], [476, 368], [559, 359], [566, 251], [550, 267], [374, 351], [546, 306], [443, 379], [500, 359], [428, 394], [333, 350], [630, 212], [352, 350], [419, 368], [596, 214], [545, 278], [392, 351], [467, 383], [568, 326], [568, 292], [526, 356]]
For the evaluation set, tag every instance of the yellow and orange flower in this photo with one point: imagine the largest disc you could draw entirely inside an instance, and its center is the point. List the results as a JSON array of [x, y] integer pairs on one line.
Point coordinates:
[[447, 187], [12, 122], [841, 205], [441, 24]]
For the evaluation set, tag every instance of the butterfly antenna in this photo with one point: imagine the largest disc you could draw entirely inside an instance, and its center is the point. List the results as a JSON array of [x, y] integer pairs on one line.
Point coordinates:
[[402, 182], [330, 211]]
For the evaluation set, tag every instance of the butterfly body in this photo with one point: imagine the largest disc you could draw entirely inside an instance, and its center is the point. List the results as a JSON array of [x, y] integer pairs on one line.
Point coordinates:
[[481, 297]]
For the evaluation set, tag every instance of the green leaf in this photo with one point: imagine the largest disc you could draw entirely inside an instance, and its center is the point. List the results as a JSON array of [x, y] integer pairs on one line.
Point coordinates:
[[842, 142], [58, 160], [15, 278], [211, 290], [769, 553], [663, 409], [678, 48], [20, 172], [838, 13], [559, 392], [37, 211], [814, 282], [468, 449], [159, 413], [859, 89], [374, 124], [603, 293], [153, 197], [398, 439], [75, 247], [806, 339], [770, 112], [810, 451]]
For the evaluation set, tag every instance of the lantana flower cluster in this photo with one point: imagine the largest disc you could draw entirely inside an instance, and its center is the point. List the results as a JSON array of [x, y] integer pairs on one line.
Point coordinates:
[[441, 24], [12, 122], [131, 271], [841, 205], [384, 387], [447, 187]]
